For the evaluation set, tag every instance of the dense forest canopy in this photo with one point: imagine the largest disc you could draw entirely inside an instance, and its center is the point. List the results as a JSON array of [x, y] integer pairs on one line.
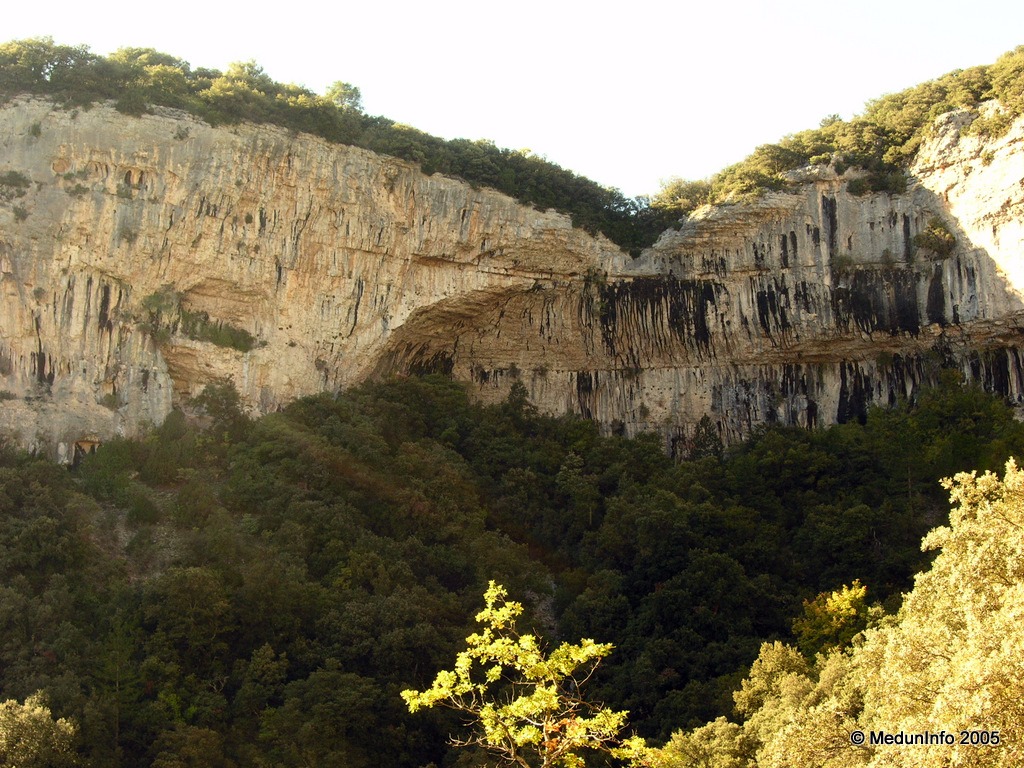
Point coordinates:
[[883, 140], [260, 592]]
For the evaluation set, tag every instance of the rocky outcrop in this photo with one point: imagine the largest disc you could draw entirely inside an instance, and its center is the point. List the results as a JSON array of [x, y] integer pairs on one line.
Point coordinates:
[[142, 258], [318, 252], [801, 308]]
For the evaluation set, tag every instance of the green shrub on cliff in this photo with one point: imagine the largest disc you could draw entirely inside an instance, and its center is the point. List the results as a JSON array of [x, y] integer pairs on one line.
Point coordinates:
[[164, 314], [936, 238], [199, 326], [12, 185]]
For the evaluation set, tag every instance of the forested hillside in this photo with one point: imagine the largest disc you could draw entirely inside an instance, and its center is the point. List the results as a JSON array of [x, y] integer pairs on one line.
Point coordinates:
[[236, 592], [259, 592]]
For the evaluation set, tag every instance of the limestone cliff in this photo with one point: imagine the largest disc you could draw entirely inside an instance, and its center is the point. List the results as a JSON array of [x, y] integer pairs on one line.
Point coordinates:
[[318, 251], [136, 252], [799, 308]]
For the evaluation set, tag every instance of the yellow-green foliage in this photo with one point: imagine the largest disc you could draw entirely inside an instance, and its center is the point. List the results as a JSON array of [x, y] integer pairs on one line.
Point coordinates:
[[719, 744], [525, 706], [936, 238], [832, 619], [951, 661], [31, 738], [684, 194]]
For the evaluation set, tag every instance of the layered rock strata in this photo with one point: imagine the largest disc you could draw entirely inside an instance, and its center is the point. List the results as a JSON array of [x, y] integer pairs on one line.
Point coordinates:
[[800, 308], [142, 258]]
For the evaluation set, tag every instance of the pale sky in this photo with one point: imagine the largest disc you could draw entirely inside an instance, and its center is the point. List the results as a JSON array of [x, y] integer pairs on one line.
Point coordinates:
[[626, 93]]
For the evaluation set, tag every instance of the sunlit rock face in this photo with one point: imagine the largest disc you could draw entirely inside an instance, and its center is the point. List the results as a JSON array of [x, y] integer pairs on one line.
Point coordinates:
[[320, 252], [335, 264], [802, 308]]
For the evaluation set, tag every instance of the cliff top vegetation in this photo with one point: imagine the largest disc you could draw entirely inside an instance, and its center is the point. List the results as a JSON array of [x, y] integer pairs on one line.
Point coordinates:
[[136, 79], [883, 140]]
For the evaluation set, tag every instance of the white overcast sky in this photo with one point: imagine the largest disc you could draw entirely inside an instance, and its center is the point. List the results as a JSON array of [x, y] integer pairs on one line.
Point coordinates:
[[627, 93]]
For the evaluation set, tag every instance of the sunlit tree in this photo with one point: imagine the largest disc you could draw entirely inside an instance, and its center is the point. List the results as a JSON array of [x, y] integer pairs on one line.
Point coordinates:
[[523, 705], [31, 738], [345, 95], [950, 662], [954, 660]]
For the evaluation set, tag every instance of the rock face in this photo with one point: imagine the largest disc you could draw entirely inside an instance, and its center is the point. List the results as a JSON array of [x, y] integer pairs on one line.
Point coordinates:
[[802, 308], [142, 258]]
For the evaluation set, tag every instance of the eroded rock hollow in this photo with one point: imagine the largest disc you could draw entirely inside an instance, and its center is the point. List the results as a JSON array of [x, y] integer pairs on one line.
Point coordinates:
[[142, 258]]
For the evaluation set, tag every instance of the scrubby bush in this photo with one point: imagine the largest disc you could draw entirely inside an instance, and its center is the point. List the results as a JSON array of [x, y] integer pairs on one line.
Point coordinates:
[[936, 238], [164, 314], [883, 140], [13, 184]]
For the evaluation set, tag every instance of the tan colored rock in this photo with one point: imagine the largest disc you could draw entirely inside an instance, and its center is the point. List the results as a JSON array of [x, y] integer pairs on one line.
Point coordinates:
[[319, 251], [342, 264], [800, 308]]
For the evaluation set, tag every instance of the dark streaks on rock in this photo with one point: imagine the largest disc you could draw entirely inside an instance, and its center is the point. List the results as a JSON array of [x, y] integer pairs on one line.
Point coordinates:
[[997, 370], [936, 307], [830, 219], [772, 299], [104, 317], [586, 382], [854, 394], [908, 242], [659, 310], [439, 362], [879, 300]]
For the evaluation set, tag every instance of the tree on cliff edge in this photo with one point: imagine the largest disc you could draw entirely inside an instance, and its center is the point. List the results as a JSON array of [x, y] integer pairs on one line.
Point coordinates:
[[345, 96]]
